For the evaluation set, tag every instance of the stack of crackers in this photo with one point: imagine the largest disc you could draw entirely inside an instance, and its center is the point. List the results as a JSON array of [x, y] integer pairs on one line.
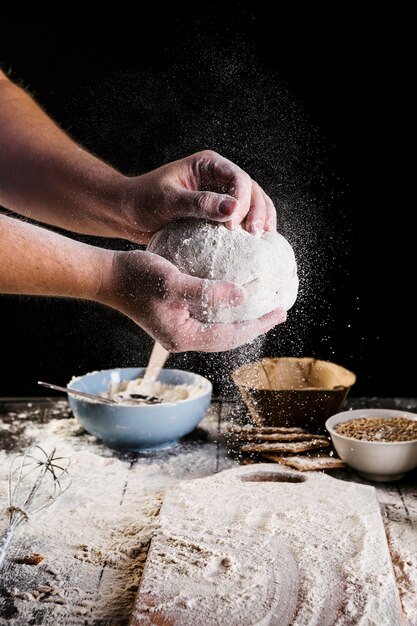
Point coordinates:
[[295, 447]]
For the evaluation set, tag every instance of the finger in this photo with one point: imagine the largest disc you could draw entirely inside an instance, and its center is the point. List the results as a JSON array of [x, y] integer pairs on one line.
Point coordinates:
[[255, 219], [205, 204], [242, 191], [219, 173], [271, 215], [221, 337], [209, 294]]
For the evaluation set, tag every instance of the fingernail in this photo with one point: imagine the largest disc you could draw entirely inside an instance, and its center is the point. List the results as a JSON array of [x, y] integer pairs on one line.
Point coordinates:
[[236, 296], [227, 206]]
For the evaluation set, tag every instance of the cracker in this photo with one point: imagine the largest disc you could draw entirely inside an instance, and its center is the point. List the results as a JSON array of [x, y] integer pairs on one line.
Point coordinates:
[[265, 430], [308, 463], [260, 437], [288, 447]]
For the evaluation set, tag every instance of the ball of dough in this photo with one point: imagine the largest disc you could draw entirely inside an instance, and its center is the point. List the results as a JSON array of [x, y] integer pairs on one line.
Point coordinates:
[[264, 265]]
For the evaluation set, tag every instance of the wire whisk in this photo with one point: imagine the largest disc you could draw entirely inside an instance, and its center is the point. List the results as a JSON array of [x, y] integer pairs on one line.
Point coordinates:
[[36, 479]]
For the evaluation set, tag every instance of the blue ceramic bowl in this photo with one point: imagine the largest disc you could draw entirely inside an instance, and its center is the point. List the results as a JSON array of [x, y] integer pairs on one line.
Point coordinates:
[[144, 427]]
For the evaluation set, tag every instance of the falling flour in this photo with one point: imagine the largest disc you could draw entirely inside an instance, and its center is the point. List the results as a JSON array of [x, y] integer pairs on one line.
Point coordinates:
[[264, 265]]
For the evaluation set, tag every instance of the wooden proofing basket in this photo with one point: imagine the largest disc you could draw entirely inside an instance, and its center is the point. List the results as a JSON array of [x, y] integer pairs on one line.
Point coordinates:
[[292, 391]]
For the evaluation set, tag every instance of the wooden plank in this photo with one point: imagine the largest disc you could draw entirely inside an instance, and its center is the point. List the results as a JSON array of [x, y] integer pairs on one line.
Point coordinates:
[[401, 525], [100, 590], [274, 537]]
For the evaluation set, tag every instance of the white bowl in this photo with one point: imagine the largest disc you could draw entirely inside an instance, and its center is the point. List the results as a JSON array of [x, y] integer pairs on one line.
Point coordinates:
[[375, 460]]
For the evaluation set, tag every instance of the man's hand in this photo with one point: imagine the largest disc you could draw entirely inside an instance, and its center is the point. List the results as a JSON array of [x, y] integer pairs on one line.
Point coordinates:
[[48, 177], [158, 297], [45, 175], [143, 286], [204, 185]]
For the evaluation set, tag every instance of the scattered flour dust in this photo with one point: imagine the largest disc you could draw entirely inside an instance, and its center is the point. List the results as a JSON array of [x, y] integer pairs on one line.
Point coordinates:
[[269, 553], [95, 542], [94, 538]]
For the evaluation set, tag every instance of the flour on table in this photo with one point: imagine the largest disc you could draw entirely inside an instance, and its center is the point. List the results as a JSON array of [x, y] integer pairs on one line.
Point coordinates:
[[242, 551], [264, 265], [95, 538]]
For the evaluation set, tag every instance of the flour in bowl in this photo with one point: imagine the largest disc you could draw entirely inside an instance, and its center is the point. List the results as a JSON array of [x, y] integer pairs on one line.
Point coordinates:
[[126, 391]]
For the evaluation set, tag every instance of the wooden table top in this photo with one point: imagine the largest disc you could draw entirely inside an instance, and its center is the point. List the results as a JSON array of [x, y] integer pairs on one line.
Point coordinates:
[[94, 540]]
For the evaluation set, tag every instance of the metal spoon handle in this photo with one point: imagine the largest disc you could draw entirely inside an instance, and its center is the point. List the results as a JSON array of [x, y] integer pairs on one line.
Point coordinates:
[[73, 392]]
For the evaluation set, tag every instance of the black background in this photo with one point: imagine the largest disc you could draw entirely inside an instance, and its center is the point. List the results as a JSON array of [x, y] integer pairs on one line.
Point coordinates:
[[313, 105]]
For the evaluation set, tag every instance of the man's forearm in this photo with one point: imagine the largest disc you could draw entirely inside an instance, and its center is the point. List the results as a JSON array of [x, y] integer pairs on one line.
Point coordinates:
[[48, 177], [35, 261]]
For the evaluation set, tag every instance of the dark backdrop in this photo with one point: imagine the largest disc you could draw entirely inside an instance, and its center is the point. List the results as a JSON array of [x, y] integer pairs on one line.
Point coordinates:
[[312, 105]]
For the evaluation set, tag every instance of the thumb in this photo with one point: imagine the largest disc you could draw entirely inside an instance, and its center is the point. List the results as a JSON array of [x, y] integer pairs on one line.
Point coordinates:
[[206, 204]]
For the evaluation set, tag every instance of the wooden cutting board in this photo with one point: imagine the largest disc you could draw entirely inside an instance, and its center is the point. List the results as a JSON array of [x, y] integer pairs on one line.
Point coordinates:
[[267, 546]]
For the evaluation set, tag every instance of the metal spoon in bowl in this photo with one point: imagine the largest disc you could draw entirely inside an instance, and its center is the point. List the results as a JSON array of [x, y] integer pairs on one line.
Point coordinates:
[[90, 396], [81, 394]]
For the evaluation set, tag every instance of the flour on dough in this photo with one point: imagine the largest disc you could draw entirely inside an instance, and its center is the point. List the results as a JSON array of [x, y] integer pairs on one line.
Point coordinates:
[[264, 265]]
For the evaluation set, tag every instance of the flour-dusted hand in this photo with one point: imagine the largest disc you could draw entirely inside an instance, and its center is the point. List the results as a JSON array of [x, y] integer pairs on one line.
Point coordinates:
[[204, 185], [44, 174], [143, 286], [161, 299], [48, 177]]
